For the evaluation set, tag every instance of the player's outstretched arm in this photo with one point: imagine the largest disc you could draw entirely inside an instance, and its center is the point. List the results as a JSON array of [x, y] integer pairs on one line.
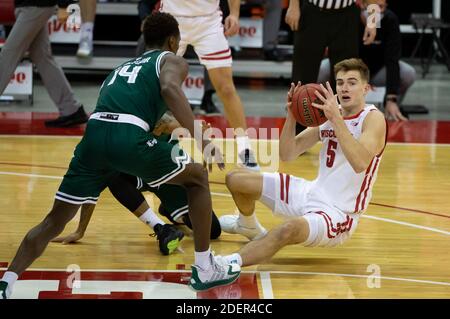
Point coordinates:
[[86, 213]]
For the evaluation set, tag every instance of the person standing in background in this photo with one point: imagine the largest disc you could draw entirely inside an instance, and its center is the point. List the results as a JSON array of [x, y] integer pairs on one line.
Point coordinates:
[[29, 33], [201, 26], [383, 59], [88, 9], [319, 24]]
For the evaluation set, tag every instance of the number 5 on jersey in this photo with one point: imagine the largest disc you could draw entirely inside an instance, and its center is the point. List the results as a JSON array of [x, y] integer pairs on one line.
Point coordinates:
[[331, 154]]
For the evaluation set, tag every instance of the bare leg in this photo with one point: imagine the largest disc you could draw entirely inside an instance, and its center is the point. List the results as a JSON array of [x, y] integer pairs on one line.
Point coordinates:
[[246, 188], [141, 209], [88, 8], [291, 232], [37, 239], [222, 80]]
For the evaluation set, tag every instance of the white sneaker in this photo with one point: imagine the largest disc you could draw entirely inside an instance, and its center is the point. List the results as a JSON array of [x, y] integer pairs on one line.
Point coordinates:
[[5, 291], [85, 48], [230, 224], [220, 274]]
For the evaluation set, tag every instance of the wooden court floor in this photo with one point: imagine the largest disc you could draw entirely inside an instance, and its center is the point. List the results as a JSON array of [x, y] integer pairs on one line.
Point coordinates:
[[401, 248]]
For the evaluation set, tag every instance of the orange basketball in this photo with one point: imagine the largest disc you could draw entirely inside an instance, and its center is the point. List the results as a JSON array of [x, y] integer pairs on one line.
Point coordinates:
[[302, 109]]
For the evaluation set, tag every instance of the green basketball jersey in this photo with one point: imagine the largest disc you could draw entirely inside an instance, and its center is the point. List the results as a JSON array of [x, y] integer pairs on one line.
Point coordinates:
[[134, 88]]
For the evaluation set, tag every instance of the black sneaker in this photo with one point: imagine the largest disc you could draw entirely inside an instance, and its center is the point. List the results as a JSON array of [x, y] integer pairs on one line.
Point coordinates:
[[79, 117], [4, 294], [169, 237], [247, 160]]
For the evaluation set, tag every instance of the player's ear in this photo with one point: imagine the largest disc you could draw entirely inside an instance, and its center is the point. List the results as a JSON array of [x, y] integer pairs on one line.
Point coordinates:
[[366, 88], [173, 43]]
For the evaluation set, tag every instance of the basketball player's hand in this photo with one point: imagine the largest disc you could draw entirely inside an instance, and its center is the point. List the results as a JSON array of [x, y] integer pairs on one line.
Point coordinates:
[[369, 35], [69, 239], [292, 18], [62, 15], [211, 153], [392, 112], [330, 106], [231, 25], [289, 96], [205, 126]]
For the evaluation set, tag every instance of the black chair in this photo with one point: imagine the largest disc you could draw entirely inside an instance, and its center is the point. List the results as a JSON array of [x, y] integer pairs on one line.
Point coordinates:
[[423, 23]]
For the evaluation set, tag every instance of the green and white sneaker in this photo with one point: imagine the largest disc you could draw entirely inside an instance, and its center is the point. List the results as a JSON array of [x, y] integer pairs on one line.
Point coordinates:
[[220, 274], [5, 292]]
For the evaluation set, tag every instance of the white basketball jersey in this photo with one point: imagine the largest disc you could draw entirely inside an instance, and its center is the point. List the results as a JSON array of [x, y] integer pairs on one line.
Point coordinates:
[[190, 8], [337, 182]]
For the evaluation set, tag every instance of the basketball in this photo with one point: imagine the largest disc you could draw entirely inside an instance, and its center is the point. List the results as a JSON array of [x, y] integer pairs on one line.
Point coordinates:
[[302, 109]]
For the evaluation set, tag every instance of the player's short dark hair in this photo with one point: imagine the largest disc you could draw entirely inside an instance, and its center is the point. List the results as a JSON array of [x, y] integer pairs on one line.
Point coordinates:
[[353, 65], [158, 27]]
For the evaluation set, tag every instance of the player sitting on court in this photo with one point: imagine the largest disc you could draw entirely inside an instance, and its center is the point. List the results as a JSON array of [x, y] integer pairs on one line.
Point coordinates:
[[323, 212]]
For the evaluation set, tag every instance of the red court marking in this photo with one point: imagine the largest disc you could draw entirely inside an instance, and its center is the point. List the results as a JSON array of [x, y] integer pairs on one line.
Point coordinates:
[[423, 131], [378, 204], [410, 210], [3, 265], [245, 287], [180, 266]]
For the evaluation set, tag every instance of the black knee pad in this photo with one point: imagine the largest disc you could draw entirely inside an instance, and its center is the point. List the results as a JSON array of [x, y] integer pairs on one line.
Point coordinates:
[[123, 188]]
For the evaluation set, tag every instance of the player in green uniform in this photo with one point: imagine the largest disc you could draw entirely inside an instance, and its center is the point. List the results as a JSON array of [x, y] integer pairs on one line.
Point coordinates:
[[174, 202], [117, 139]]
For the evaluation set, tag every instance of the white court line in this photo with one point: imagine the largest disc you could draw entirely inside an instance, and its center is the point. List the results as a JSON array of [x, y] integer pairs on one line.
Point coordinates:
[[267, 273], [361, 276], [30, 175], [42, 136], [388, 220], [266, 285], [393, 221], [407, 224]]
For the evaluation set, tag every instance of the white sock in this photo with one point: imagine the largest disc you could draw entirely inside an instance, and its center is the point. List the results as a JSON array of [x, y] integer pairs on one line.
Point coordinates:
[[202, 259], [87, 30], [243, 143], [150, 218], [10, 277], [248, 221], [234, 259]]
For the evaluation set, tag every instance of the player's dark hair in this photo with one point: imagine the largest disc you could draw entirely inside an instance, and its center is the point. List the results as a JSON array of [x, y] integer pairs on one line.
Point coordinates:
[[158, 27], [353, 65]]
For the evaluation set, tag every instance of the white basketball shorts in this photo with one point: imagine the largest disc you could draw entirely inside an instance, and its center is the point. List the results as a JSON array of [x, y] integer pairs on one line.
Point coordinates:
[[205, 34], [289, 196]]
